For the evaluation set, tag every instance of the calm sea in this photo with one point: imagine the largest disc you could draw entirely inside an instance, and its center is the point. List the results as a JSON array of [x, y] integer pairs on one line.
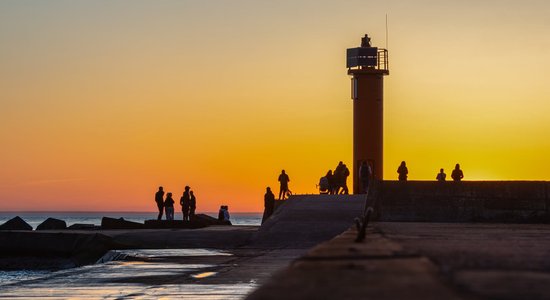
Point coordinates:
[[35, 218]]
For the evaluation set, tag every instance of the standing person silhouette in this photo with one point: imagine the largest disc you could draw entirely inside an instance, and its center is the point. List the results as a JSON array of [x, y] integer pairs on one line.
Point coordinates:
[[441, 176], [192, 205], [269, 204], [330, 181], [283, 179], [169, 207], [159, 199], [365, 173], [403, 171], [338, 176], [345, 174], [184, 202], [457, 174]]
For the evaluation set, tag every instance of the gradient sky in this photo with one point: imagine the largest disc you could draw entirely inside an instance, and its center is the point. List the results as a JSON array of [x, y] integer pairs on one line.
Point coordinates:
[[103, 101]]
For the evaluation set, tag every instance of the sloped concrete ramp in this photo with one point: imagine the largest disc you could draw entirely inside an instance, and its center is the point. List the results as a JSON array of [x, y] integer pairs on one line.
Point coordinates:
[[304, 221]]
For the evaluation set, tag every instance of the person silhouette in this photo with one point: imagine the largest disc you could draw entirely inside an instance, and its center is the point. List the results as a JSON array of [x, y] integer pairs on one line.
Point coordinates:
[[330, 182], [192, 205], [403, 171], [220, 212], [221, 215], [184, 202], [365, 173], [226, 216], [269, 204], [344, 180], [283, 179], [441, 176], [457, 174], [159, 196], [169, 207], [338, 176]]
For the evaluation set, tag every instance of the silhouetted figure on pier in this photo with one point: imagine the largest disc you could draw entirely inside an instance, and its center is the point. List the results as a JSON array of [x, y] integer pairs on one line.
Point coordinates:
[[344, 180], [457, 174], [403, 171], [365, 172], [169, 207], [159, 199], [283, 190], [192, 205], [226, 215], [441, 176], [223, 213], [269, 204], [330, 181], [324, 183], [184, 202], [338, 178]]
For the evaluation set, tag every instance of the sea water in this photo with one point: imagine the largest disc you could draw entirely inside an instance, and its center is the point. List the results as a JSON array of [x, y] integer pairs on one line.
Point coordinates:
[[130, 278], [35, 218]]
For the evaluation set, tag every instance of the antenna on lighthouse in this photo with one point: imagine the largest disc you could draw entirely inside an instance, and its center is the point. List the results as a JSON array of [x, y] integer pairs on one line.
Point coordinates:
[[386, 31]]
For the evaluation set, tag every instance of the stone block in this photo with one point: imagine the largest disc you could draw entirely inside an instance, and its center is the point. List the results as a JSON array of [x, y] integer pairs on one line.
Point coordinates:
[[52, 224], [80, 226], [207, 220], [16, 224], [120, 223]]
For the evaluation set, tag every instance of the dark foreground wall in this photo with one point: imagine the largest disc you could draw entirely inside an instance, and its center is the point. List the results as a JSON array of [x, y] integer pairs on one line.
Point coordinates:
[[52, 250], [468, 201]]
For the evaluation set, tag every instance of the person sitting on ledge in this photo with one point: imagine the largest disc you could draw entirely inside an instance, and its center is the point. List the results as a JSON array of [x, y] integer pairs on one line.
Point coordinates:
[[226, 216], [403, 171], [441, 176], [220, 213], [457, 174]]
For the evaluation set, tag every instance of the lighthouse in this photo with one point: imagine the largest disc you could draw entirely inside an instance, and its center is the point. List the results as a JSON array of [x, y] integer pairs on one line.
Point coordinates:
[[367, 67]]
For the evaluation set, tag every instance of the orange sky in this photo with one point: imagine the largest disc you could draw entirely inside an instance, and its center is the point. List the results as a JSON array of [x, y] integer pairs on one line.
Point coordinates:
[[104, 101]]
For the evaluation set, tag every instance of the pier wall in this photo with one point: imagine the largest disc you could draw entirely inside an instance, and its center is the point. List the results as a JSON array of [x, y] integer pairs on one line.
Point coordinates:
[[304, 221], [467, 201]]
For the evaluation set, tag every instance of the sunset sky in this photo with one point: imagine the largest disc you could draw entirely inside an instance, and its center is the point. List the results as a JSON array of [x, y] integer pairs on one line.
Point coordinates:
[[103, 101]]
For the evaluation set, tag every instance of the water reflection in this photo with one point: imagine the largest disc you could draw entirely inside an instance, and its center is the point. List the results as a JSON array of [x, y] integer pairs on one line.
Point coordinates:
[[170, 274], [203, 275]]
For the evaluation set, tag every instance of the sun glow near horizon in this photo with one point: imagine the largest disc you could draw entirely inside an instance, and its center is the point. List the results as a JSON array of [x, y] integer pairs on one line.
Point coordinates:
[[103, 102]]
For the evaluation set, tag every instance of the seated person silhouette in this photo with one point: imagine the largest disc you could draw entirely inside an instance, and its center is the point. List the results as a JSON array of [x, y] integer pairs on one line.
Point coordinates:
[[441, 176]]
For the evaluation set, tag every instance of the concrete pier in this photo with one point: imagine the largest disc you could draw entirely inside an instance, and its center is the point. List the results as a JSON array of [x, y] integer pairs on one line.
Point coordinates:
[[306, 250], [250, 256], [422, 261], [467, 201], [307, 220]]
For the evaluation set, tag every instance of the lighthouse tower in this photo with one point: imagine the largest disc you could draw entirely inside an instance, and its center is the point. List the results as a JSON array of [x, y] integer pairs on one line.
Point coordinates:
[[367, 65]]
